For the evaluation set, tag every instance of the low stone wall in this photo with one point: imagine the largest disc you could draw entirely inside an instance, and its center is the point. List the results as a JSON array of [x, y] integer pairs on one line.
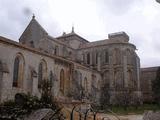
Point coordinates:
[[150, 115]]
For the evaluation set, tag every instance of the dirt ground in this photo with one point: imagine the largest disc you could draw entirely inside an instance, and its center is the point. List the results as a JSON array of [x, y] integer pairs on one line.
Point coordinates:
[[134, 117], [124, 117]]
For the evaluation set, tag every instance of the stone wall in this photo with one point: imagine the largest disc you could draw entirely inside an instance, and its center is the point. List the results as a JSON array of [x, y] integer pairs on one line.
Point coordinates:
[[117, 62], [32, 58], [148, 75]]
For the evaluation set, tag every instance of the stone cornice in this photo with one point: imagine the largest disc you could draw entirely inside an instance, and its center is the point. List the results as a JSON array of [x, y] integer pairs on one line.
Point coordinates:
[[108, 44]]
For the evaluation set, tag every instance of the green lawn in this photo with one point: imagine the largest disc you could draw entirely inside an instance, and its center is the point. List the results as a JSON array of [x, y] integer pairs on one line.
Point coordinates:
[[133, 110]]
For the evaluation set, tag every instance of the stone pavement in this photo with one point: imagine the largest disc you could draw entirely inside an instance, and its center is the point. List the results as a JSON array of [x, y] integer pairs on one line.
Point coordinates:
[[150, 115]]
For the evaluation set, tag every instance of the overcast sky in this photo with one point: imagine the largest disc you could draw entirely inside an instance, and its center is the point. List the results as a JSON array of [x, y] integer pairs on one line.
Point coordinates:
[[92, 19]]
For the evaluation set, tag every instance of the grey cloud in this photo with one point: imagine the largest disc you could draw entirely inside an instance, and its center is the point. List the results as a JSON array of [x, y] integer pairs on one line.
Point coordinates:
[[27, 11], [12, 18], [116, 15], [16, 14]]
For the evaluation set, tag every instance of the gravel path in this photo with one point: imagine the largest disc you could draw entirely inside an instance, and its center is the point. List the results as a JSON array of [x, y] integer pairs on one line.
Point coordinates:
[[134, 117]]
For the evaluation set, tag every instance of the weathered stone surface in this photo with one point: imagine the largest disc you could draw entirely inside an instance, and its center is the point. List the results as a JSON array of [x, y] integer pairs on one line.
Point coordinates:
[[148, 75], [121, 117], [40, 114], [111, 61], [150, 115]]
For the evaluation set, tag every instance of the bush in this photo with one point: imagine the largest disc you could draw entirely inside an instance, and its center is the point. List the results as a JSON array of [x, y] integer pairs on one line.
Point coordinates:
[[25, 103], [8, 103], [14, 110]]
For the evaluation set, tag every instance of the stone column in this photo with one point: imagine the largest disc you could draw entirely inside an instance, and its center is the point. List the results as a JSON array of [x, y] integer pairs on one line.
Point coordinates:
[[5, 89], [138, 72], [91, 59], [111, 72], [99, 63], [125, 71]]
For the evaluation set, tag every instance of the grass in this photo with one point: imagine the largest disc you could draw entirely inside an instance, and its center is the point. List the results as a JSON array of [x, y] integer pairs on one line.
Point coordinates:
[[133, 110]]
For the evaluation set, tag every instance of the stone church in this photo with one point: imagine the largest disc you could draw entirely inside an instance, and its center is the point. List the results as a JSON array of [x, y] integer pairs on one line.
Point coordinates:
[[74, 66]]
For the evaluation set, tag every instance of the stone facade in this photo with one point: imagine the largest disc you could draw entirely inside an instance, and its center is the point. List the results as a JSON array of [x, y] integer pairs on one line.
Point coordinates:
[[72, 63], [148, 75]]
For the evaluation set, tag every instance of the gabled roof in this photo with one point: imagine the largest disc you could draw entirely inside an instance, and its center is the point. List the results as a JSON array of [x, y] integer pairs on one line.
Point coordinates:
[[72, 34]]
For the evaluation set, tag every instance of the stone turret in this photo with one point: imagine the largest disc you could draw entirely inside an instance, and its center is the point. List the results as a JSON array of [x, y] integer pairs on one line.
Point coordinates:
[[119, 37]]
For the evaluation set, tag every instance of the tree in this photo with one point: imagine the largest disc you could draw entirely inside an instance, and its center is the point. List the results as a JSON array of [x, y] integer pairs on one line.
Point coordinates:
[[156, 87]]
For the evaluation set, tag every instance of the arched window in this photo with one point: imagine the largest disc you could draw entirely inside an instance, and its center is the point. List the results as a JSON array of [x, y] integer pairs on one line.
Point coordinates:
[[42, 72], [116, 56], [119, 83], [134, 58], [51, 77], [18, 71], [128, 54], [32, 44], [56, 52], [88, 58], [130, 79], [106, 57], [62, 78], [75, 75], [83, 57], [85, 84], [70, 54], [96, 57], [94, 82], [106, 79]]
